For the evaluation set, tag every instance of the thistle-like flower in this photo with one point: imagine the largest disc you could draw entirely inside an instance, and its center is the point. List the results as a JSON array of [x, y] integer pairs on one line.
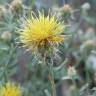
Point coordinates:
[[41, 34], [10, 89]]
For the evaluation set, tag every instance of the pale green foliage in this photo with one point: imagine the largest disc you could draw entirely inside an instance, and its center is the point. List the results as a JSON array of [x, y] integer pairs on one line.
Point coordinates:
[[78, 50]]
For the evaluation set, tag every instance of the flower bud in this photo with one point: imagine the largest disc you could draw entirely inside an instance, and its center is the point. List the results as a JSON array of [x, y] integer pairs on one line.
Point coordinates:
[[72, 87], [90, 43], [2, 11], [86, 6], [67, 8], [88, 46], [6, 36], [71, 71], [16, 6], [66, 11]]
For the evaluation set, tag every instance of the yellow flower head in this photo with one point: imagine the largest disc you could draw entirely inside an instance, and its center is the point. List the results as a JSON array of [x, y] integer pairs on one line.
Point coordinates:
[[10, 90], [41, 33]]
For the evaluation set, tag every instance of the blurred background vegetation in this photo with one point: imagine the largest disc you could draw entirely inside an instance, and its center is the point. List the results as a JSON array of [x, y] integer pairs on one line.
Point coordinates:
[[75, 63]]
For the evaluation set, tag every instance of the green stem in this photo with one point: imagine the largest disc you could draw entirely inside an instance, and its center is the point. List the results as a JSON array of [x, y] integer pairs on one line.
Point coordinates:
[[51, 77], [76, 92], [8, 61]]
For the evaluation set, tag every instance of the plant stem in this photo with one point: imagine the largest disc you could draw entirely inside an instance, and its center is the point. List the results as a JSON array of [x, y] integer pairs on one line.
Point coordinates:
[[76, 90], [51, 78]]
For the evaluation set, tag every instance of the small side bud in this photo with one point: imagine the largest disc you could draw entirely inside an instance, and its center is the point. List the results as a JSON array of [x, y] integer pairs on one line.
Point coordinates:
[[6, 36], [66, 12], [71, 71], [2, 12], [86, 6], [67, 8], [16, 6]]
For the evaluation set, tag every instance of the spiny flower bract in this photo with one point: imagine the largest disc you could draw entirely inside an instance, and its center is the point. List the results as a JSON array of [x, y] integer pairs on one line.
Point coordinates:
[[41, 33], [10, 89]]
